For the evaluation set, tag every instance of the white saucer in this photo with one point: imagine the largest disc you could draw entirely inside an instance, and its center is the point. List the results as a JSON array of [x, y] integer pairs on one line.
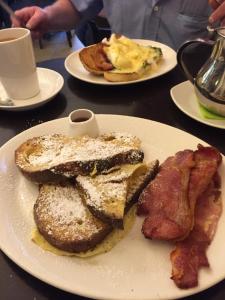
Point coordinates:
[[50, 83], [184, 97]]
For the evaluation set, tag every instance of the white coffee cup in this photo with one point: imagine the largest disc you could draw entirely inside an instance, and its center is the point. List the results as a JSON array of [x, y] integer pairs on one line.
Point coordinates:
[[18, 73], [83, 122]]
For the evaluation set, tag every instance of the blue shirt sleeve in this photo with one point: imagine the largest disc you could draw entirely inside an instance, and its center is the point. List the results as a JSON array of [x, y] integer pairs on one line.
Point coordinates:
[[88, 9]]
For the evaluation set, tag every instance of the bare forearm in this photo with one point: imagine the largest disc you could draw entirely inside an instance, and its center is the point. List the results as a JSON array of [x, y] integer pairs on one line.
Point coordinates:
[[62, 15]]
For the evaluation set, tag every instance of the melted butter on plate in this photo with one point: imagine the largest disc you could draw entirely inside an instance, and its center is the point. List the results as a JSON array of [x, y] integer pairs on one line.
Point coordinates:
[[109, 242]]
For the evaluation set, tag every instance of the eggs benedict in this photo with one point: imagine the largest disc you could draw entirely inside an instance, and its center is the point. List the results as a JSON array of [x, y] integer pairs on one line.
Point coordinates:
[[120, 59]]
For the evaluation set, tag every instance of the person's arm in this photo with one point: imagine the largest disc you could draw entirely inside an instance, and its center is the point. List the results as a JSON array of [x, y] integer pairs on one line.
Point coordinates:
[[62, 15], [218, 13]]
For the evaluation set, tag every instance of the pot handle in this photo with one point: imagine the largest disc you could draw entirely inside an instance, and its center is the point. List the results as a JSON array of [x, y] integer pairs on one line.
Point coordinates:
[[180, 52]]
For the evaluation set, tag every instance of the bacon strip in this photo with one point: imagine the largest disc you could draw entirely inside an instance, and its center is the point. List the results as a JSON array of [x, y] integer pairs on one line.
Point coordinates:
[[169, 200], [207, 160], [164, 200], [190, 255]]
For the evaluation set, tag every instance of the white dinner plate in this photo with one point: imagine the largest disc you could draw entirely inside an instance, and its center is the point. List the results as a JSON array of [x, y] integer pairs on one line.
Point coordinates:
[[74, 66], [184, 97], [50, 83], [136, 268]]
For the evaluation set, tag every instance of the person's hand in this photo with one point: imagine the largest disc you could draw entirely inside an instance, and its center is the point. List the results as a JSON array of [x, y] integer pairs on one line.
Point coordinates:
[[61, 15], [33, 18], [218, 13]]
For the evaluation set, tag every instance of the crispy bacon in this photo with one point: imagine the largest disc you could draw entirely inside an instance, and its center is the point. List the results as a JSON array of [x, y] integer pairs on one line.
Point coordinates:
[[165, 199], [169, 200], [190, 254], [207, 160]]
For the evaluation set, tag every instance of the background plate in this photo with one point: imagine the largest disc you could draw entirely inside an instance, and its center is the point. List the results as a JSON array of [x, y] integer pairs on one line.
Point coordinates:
[[184, 98], [136, 268], [74, 66]]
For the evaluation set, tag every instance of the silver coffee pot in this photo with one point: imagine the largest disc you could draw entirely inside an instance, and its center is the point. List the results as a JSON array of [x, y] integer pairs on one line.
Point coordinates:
[[209, 84]]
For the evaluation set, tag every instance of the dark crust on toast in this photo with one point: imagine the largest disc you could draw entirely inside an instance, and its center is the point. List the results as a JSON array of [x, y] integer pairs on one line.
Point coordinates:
[[52, 229], [63, 171], [74, 246], [56, 174], [115, 222], [45, 176], [99, 166], [150, 177]]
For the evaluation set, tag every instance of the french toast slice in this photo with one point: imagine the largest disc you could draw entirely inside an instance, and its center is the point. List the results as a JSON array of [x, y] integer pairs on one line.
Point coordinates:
[[139, 180], [109, 196], [112, 239], [64, 221], [55, 158], [62, 218]]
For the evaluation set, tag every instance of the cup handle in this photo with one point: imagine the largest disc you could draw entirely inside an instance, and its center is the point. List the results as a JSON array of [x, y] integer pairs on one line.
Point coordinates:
[[180, 53]]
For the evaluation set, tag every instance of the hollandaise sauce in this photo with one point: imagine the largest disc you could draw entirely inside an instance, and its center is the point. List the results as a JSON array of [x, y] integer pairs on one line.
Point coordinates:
[[127, 56]]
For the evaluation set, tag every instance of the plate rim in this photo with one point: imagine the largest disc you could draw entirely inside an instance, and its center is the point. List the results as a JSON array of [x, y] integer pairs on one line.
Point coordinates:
[[86, 294], [108, 83], [189, 85]]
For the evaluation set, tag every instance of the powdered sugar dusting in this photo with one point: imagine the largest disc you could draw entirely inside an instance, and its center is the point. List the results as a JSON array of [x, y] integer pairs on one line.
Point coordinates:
[[100, 194], [108, 188], [61, 211], [65, 205], [52, 150]]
